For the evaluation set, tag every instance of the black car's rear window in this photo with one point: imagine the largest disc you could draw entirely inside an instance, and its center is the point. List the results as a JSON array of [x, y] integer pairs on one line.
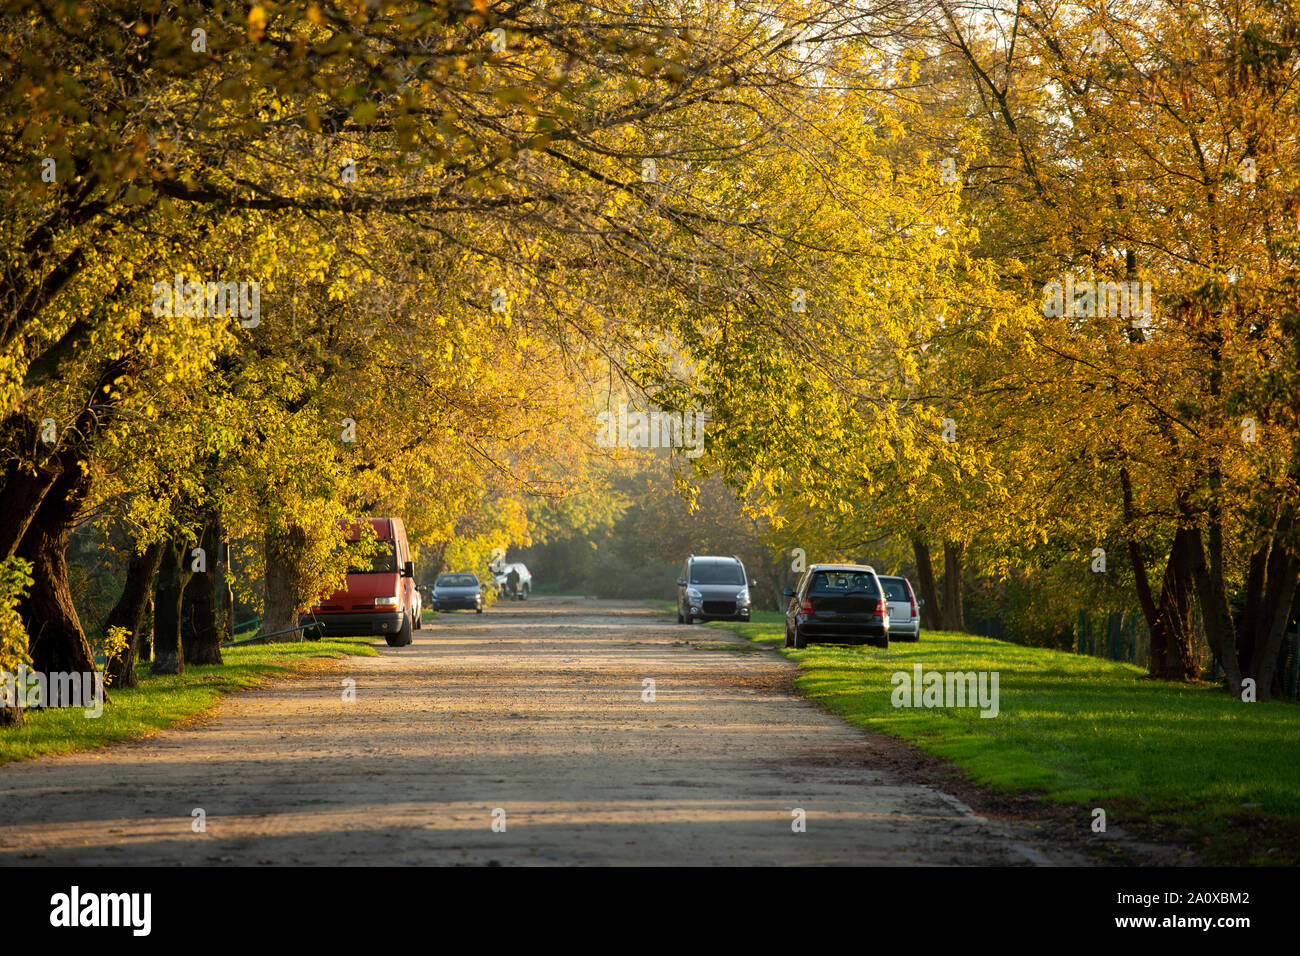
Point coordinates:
[[457, 580], [843, 582], [895, 590], [717, 572]]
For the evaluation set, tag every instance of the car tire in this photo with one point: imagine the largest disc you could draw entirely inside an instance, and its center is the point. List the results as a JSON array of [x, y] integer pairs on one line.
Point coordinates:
[[419, 620], [800, 641], [789, 640], [404, 635], [478, 610]]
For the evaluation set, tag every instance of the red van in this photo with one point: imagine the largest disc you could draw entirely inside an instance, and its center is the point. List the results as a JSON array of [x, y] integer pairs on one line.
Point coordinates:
[[380, 596]]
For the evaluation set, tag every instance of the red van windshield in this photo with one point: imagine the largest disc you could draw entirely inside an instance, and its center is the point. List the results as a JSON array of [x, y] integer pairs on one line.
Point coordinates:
[[384, 560]]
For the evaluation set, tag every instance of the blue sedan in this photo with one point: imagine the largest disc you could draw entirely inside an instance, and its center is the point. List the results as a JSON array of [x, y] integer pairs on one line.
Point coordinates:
[[458, 590]]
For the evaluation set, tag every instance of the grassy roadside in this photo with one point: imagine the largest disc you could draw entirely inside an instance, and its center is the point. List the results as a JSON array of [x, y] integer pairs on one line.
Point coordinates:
[[163, 701], [1083, 731]]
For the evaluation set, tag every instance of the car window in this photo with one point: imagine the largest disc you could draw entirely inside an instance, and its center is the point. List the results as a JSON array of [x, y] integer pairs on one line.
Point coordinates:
[[844, 582], [717, 572], [895, 590], [457, 580], [384, 560]]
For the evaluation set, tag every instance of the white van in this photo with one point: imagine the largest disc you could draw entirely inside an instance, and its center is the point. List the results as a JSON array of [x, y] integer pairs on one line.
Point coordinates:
[[512, 580]]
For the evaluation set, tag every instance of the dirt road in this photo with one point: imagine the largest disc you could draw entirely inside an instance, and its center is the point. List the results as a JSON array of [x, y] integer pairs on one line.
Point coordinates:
[[532, 710]]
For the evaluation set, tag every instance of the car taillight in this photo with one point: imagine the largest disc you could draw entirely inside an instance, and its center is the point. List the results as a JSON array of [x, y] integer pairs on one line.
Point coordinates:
[[806, 606], [880, 608], [912, 597]]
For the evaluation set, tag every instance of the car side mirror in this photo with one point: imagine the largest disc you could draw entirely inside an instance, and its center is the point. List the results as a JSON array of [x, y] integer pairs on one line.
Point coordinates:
[[920, 602], [681, 582], [788, 592], [408, 569], [753, 582]]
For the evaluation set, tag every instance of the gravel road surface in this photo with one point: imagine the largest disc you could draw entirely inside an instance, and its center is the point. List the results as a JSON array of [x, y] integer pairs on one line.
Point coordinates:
[[532, 715]]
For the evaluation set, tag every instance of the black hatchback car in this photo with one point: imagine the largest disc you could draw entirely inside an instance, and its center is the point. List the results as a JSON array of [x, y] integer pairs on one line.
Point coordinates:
[[837, 604], [713, 588]]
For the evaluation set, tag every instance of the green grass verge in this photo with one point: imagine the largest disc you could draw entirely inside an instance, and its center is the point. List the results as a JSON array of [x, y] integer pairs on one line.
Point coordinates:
[[164, 700], [1081, 730]]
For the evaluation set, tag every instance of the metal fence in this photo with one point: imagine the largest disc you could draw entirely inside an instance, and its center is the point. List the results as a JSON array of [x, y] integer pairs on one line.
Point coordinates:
[[1120, 638], [1117, 639], [1289, 666]]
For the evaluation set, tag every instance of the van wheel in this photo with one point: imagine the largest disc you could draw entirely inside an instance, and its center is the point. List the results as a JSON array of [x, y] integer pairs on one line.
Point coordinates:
[[404, 635], [394, 640]]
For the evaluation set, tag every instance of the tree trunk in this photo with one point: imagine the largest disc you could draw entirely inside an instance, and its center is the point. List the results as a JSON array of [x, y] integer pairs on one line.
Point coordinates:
[[201, 633], [925, 576], [144, 640], [282, 553], [168, 656], [225, 594], [23, 495], [1273, 615], [129, 611], [1220, 631], [57, 643], [954, 617], [26, 483], [1169, 621], [1171, 640], [1253, 600]]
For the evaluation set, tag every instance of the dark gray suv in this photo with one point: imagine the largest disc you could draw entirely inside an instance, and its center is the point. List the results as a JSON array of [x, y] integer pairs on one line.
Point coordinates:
[[712, 588]]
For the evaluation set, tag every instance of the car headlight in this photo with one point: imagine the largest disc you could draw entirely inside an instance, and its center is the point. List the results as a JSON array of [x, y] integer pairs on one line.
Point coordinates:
[[386, 601], [694, 595], [742, 596]]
